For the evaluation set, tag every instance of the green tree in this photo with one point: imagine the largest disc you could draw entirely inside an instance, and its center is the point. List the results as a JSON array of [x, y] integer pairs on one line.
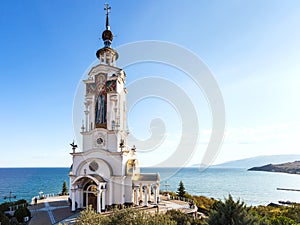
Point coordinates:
[[132, 216], [3, 219], [293, 213], [5, 206], [181, 189], [180, 217], [231, 213], [14, 221], [89, 216], [22, 212], [282, 220], [159, 218], [64, 189], [128, 216]]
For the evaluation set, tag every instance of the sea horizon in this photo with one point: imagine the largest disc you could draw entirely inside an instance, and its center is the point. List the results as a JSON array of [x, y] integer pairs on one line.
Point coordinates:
[[254, 188]]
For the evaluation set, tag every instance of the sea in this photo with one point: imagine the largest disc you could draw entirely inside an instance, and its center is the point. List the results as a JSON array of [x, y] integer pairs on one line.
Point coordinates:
[[254, 188]]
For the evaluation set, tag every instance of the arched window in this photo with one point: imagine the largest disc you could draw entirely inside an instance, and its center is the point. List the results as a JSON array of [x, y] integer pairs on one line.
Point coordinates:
[[113, 125]]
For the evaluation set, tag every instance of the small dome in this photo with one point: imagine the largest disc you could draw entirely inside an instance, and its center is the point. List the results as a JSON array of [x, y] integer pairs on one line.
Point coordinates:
[[107, 35]]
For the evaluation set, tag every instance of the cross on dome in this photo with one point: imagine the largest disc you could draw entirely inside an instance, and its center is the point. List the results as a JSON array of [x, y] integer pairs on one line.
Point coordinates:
[[107, 8], [107, 55], [107, 35]]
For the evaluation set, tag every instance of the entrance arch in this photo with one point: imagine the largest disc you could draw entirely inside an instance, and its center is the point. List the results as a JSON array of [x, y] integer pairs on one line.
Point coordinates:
[[89, 190], [90, 195]]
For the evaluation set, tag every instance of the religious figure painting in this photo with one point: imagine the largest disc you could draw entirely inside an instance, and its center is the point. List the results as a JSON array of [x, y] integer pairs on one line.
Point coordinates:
[[111, 86], [90, 88], [101, 107], [100, 80]]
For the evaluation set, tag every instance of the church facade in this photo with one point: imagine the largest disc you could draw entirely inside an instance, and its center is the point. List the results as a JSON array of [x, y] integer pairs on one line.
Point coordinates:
[[105, 170]]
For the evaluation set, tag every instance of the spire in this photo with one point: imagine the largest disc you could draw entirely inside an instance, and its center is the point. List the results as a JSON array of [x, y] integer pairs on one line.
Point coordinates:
[[107, 35], [107, 8], [107, 55]]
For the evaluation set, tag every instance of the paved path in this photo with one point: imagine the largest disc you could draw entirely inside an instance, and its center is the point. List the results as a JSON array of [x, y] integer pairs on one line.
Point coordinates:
[[55, 210], [49, 211]]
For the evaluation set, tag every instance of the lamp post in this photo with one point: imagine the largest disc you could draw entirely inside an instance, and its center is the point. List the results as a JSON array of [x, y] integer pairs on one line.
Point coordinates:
[[166, 186], [10, 197], [103, 202], [41, 194]]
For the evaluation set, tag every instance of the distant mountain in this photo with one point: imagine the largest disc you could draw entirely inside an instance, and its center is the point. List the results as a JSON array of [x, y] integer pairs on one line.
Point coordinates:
[[257, 161], [290, 167]]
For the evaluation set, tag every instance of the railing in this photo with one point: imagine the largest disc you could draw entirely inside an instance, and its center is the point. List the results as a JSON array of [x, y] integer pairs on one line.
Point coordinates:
[[15, 207], [44, 196], [184, 199], [190, 209]]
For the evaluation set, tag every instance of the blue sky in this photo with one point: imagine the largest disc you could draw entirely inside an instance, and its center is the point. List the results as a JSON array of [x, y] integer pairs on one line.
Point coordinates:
[[252, 48]]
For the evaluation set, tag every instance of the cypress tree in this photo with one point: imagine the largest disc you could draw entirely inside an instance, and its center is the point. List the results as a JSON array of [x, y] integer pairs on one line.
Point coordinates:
[[181, 189], [64, 189]]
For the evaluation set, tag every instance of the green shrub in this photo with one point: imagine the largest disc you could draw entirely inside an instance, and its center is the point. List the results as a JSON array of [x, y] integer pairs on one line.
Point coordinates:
[[22, 212], [282, 220], [65, 189], [231, 213], [5, 206], [4, 219], [181, 189], [180, 217], [89, 216]]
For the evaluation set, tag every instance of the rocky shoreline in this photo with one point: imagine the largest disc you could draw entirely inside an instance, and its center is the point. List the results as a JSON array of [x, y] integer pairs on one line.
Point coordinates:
[[290, 167]]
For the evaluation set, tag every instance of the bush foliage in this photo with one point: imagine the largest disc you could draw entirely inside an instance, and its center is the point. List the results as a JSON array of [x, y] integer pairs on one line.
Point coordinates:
[[22, 212], [215, 212], [64, 190], [4, 220], [128, 216]]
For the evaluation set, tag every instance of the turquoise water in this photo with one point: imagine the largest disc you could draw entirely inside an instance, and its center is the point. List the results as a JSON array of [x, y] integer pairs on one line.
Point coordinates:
[[28, 182], [252, 187]]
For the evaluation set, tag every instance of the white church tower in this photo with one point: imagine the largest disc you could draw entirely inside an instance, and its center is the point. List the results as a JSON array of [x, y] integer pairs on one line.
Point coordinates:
[[105, 172]]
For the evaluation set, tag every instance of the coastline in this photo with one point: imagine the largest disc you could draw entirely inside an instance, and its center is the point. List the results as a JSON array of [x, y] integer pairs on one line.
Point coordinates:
[[254, 188], [290, 168]]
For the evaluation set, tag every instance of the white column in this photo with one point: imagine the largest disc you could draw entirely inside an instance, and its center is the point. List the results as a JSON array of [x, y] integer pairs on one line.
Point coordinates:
[[146, 196], [141, 192], [155, 194], [79, 193], [104, 56], [103, 199], [114, 60], [86, 116], [81, 198], [98, 200], [137, 195], [157, 190], [110, 192], [123, 190], [73, 199], [149, 192], [109, 59], [87, 199], [133, 195]]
